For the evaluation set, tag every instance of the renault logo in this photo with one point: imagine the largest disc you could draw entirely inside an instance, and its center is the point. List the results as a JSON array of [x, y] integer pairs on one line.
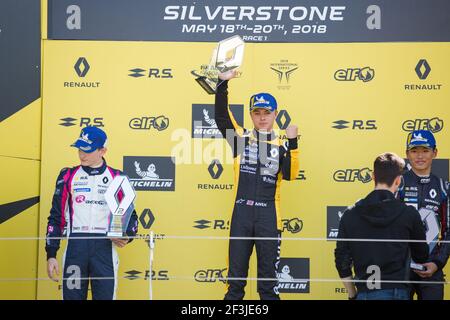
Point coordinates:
[[82, 67], [422, 69]]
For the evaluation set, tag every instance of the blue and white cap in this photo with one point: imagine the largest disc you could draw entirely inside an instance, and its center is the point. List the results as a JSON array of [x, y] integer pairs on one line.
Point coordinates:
[[420, 138], [263, 101], [91, 139]]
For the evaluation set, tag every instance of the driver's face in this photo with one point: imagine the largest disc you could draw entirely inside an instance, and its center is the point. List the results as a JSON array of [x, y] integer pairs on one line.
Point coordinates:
[[421, 158], [91, 159], [263, 119]]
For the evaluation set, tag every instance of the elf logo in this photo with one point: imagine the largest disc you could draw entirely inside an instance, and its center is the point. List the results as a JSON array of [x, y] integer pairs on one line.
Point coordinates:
[[434, 124], [365, 74], [210, 275], [351, 175], [159, 123]]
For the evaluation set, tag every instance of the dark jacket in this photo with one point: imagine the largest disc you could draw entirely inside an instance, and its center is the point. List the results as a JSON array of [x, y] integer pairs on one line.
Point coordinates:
[[430, 193], [380, 216]]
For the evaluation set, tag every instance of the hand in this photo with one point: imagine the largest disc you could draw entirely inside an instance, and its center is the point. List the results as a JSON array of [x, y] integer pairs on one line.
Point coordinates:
[[431, 269], [230, 74], [136, 164], [120, 242], [292, 132], [53, 269]]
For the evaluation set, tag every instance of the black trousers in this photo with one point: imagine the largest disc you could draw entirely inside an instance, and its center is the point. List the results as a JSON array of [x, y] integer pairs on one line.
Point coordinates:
[[257, 220], [426, 290]]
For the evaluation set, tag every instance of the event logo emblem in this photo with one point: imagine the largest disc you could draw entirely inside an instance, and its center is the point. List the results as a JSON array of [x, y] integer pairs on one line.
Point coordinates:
[[284, 69]]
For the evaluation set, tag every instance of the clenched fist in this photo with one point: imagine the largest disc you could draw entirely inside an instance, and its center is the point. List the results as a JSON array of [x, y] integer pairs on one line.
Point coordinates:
[[292, 131]]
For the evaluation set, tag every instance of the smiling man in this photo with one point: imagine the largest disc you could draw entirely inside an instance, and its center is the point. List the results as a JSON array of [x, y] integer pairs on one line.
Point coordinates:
[[79, 210], [428, 194]]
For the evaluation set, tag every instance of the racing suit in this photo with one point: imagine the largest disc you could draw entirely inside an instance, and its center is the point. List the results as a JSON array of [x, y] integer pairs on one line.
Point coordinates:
[[79, 210], [429, 194], [261, 161]]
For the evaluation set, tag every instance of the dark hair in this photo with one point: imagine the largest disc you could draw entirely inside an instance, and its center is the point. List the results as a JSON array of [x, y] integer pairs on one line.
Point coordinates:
[[387, 167]]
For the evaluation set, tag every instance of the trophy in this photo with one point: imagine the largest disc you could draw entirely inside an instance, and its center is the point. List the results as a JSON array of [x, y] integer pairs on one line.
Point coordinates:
[[119, 197], [432, 235], [228, 55]]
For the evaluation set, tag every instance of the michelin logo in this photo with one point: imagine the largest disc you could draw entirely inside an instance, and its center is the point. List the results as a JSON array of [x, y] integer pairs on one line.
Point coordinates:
[[287, 282], [150, 178], [157, 173]]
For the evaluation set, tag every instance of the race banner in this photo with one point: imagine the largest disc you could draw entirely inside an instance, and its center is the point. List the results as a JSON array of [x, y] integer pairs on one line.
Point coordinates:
[[261, 21]]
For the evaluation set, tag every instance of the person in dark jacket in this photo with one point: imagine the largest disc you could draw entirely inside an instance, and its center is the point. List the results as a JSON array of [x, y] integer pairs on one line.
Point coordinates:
[[381, 266]]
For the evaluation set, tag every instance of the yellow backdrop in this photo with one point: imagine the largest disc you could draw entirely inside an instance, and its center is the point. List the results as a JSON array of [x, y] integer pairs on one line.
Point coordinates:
[[375, 111]]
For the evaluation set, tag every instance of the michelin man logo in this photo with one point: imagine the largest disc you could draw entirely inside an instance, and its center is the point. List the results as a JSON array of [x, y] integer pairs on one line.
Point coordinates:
[[285, 276], [150, 174], [158, 173], [208, 120]]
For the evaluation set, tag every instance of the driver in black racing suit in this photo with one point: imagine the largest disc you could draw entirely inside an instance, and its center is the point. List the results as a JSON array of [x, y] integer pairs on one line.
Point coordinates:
[[261, 161], [428, 194]]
